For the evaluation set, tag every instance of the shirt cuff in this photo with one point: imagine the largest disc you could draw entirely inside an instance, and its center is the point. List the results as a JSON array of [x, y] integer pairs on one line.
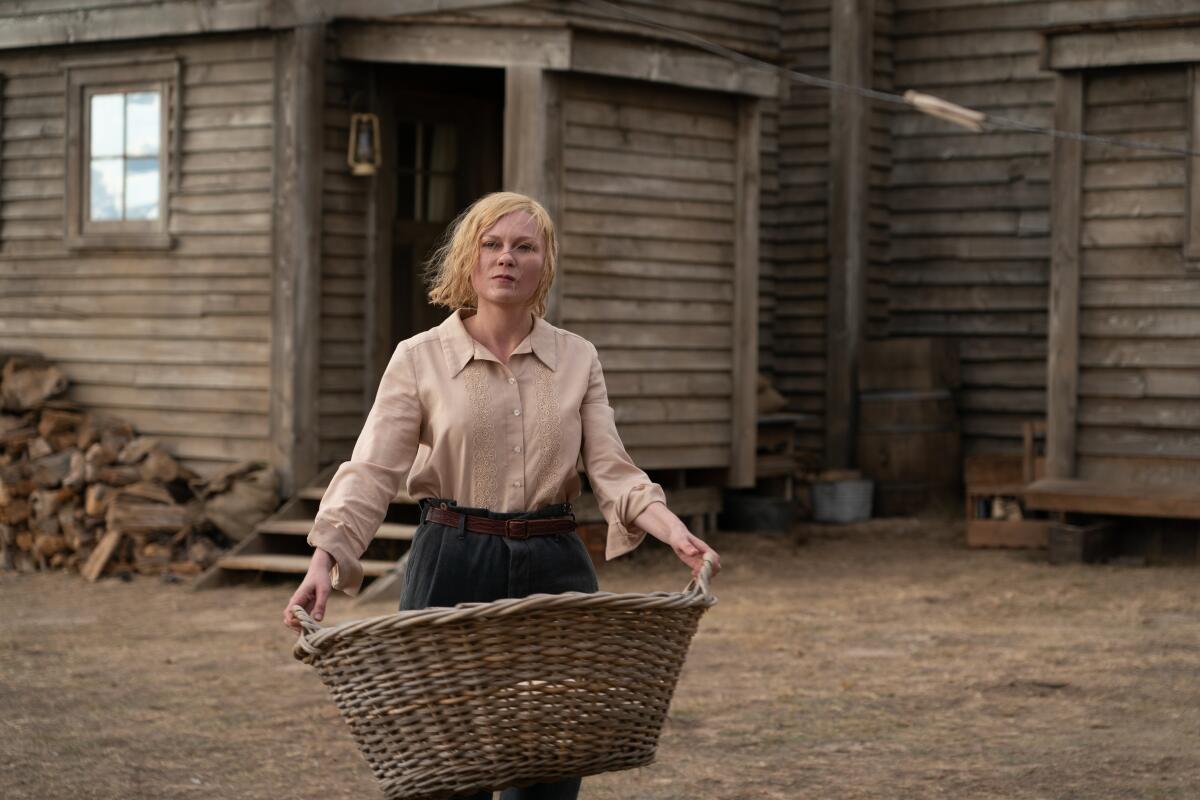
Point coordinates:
[[347, 573], [623, 535]]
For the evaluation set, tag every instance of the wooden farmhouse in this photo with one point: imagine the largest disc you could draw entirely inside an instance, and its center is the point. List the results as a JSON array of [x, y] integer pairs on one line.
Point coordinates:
[[181, 232]]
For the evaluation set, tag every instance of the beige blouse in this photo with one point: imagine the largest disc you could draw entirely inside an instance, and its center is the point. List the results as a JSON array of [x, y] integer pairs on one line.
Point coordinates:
[[451, 421]]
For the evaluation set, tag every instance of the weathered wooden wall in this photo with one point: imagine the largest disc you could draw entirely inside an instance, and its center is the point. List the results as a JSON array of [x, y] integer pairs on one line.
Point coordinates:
[[1139, 306], [177, 341], [801, 266], [969, 213], [344, 253], [647, 256]]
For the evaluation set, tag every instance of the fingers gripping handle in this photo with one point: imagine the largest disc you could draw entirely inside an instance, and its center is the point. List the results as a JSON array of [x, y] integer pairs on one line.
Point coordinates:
[[306, 621], [701, 582]]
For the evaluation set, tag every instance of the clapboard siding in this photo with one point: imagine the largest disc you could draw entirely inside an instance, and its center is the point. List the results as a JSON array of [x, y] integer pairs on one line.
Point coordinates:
[[343, 272], [751, 26], [969, 213], [177, 342], [647, 258], [801, 249], [878, 212], [1137, 416]]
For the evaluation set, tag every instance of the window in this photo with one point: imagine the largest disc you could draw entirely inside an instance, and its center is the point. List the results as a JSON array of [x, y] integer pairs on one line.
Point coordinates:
[[118, 158]]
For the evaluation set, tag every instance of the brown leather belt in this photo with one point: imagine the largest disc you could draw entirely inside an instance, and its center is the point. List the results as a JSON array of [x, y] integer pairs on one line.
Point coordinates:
[[508, 528]]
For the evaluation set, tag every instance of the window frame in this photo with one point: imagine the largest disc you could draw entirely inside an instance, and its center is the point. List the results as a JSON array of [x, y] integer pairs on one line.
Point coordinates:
[[84, 81]]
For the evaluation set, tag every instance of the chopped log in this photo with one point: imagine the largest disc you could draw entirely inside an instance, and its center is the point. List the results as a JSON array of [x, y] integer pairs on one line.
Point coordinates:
[[115, 434], [12, 422], [39, 448], [49, 471], [241, 496], [75, 477], [118, 476], [25, 384], [184, 567], [8, 543], [150, 492], [62, 440], [203, 552], [15, 440], [138, 517], [46, 526], [54, 421], [96, 500], [137, 449], [46, 502], [159, 466], [95, 458], [47, 544], [98, 560], [24, 541], [70, 526], [16, 512]]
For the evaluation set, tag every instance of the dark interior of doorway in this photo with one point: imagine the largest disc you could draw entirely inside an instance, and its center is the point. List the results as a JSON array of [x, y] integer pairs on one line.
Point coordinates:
[[444, 130]]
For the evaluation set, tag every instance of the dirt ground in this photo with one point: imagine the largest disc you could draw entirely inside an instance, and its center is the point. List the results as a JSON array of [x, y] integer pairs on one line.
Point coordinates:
[[876, 661]]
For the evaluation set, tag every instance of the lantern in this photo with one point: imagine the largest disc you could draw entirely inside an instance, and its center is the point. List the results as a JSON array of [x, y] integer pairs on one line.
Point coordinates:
[[363, 153]]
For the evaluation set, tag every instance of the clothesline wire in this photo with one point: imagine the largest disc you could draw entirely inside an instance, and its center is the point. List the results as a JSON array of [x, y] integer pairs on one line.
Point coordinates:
[[990, 121]]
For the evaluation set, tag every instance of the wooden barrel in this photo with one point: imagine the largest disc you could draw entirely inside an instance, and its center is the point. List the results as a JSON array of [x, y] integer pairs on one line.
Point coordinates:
[[909, 443]]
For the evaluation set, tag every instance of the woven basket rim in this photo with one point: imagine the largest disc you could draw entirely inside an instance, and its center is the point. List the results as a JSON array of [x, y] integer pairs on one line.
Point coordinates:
[[314, 639]]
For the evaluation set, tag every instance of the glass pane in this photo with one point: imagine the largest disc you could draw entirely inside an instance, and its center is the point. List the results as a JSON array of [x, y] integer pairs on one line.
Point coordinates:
[[141, 188], [108, 189], [445, 148], [142, 124], [441, 198], [108, 125]]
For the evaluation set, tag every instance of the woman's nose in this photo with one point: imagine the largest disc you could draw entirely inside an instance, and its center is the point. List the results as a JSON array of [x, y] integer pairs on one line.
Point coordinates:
[[506, 257]]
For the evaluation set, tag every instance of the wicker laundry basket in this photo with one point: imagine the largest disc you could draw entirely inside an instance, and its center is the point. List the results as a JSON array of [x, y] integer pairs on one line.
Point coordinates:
[[483, 696]]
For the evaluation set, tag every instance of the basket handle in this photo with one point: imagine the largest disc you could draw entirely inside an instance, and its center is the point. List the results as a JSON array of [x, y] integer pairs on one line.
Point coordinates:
[[701, 581], [307, 622]]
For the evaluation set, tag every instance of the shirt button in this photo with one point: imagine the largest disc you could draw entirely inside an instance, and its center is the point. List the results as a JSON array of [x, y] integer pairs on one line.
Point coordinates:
[[517, 484], [512, 380], [517, 449], [516, 412]]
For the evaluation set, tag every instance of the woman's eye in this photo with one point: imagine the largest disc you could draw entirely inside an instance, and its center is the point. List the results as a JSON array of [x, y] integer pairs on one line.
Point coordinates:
[[489, 245], [527, 247]]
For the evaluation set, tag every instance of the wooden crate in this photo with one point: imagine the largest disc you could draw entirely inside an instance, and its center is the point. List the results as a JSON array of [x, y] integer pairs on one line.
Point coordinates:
[[1082, 544], [983, 531]]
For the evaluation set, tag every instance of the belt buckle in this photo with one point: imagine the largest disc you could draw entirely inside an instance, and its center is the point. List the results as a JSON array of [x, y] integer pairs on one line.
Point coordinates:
[[516, 528]]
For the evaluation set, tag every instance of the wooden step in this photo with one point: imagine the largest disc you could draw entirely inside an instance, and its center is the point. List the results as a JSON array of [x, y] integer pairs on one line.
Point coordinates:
[[301, 527], [273, 562], [317, 492]]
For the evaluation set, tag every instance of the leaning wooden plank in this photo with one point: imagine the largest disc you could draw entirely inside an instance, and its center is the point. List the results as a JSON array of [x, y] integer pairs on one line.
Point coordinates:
[[386, 587], [100, 556]]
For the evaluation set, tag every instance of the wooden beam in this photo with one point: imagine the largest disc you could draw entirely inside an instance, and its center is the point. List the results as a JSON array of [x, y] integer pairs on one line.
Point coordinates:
[[666, 62], [1119, 48], [295, 342], [1063, 362], [533, 162], [851, 39], [1121, 499], [379, 288], [464, 45], [1191, 242], [746, 235]]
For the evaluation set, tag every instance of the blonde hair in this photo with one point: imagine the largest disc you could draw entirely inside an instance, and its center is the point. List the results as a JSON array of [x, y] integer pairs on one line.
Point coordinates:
[[448, 273]]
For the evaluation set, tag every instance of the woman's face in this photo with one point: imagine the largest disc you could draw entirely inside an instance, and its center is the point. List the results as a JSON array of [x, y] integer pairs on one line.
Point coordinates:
[[511, 257]]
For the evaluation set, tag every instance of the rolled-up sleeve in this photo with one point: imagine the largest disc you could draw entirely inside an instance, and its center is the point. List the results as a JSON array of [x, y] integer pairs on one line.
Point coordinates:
[[622, 490], [358, 496]]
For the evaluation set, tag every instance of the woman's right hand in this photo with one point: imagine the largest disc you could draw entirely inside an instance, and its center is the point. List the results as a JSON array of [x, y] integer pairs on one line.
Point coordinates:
[[313, 592]]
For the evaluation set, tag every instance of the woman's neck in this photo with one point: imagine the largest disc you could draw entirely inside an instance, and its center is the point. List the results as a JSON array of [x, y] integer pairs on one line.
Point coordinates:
[[500, 328]]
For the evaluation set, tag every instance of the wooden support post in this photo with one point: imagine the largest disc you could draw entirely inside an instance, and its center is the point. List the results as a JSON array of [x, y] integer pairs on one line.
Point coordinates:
[[850, 62], [295, 341], [745, 295], [1062, 377], [379, 287], [533, 147]]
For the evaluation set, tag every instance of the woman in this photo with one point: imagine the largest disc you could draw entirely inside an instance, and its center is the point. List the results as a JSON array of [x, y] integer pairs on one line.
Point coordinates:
[[484, 419]]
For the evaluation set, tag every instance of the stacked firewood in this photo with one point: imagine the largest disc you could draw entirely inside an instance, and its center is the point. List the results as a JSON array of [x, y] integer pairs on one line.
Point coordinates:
[[83, 491]]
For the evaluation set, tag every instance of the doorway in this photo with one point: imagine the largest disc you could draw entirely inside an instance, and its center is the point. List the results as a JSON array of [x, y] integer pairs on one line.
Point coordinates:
[[443, 148]]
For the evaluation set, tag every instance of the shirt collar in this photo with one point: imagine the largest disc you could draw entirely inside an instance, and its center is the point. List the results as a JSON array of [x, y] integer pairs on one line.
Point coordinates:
[[459, 348]]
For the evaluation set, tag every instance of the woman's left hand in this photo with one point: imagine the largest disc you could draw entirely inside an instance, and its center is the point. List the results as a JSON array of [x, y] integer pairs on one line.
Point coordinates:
[[691, 550], [658, 521]]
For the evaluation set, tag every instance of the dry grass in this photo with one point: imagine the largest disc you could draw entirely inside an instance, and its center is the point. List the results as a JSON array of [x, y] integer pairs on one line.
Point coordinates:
[[875, 661]]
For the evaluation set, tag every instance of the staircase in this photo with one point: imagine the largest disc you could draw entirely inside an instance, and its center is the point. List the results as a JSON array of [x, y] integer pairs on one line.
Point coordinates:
[[278, 544]]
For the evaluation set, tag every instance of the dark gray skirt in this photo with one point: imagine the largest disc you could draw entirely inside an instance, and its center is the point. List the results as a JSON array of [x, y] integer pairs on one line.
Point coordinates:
[[448, 566]]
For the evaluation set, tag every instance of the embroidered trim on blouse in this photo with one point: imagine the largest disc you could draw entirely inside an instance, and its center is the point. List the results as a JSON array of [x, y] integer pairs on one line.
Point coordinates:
[[485, 472], [549, 431]]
